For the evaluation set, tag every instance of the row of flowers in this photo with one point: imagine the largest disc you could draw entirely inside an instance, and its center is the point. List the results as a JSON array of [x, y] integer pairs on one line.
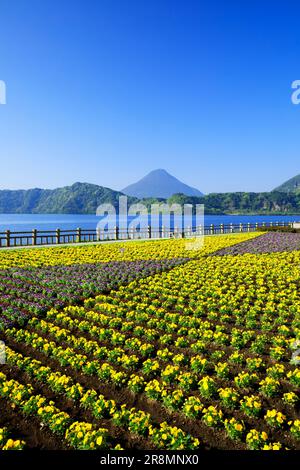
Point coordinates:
[[186, 375], [79, 435], [175, 400], [214, 339], [269, 386], [238, 312], [256, 293], [106, 252], [139, 422], [32, 291], [119, 329], [267, 243], [28, 288], [183, 374], [118, 356], [8, 443], [136, 421]]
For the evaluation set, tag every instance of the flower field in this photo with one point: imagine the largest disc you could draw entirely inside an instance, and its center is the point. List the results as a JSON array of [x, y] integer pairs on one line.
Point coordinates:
[[27, 291], [272, 242], [103, 253], [33, 280], [183, 351]]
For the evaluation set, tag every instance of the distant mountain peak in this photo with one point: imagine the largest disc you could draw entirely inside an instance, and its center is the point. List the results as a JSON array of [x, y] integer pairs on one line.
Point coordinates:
[[159, 171], [159, 183]]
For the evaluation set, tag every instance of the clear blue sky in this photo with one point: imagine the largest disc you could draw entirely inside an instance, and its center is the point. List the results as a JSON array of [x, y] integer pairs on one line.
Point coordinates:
[[104, 91]]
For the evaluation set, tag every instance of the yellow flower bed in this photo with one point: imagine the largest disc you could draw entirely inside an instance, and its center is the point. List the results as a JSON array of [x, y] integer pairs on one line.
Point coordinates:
[[122, 251]]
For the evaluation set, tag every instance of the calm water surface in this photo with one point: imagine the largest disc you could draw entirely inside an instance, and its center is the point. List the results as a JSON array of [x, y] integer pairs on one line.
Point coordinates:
[[27, 222]]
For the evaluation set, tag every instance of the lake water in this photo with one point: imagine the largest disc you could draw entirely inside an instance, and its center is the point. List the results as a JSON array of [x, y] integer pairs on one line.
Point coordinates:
[[27, 222]]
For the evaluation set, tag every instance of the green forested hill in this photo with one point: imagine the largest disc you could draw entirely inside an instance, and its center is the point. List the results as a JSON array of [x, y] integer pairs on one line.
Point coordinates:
[[84, 198], [245, 203], [80, 198], [292, 185]]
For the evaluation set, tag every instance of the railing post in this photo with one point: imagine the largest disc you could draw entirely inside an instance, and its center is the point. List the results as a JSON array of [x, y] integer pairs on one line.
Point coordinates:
[[212, 229], [248, 226], [163, 231], [271, 224], [231, 227], [116, 232], [149, 231], [241, 227], [7, 237], [222, 228], [256, 225], [34, 236], [78, 235], [57, 235]]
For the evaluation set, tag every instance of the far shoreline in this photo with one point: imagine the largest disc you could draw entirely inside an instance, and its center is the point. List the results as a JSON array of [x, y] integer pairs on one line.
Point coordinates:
[[233, 214]]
